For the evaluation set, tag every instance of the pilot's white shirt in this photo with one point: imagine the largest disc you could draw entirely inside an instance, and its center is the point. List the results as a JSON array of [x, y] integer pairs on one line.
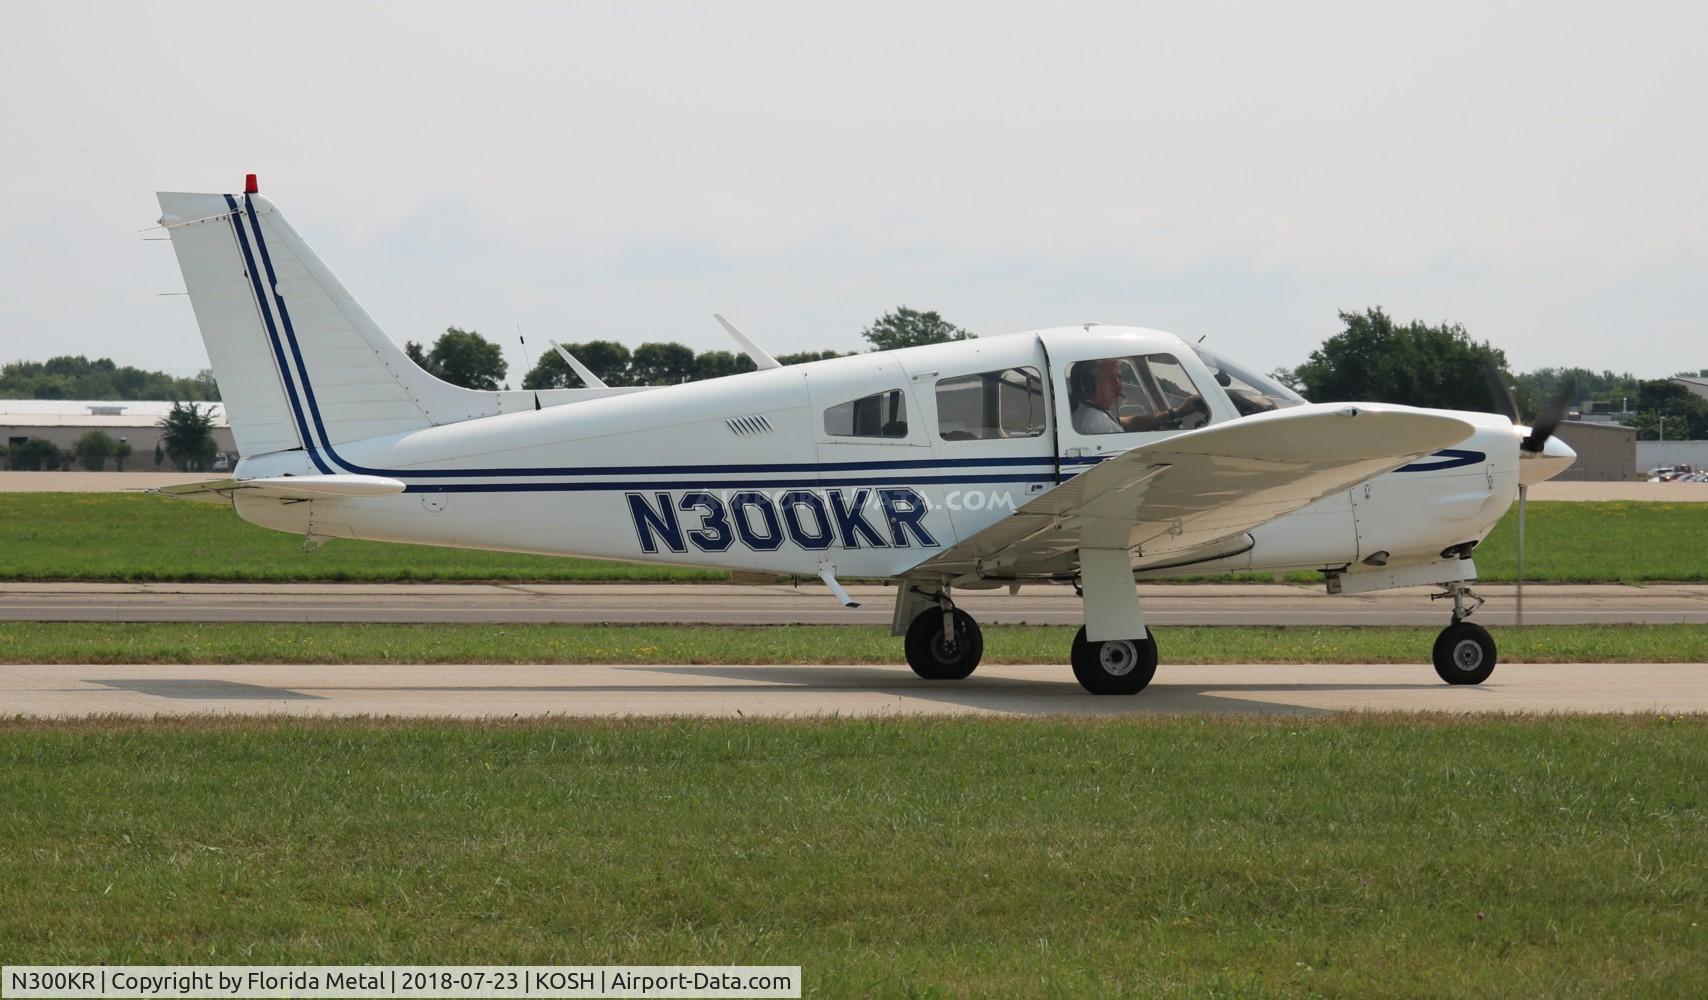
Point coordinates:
[[1093, 419]]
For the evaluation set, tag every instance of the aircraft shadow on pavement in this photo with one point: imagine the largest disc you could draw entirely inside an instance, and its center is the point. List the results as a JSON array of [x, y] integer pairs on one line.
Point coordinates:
[[1026, 695], [209, 690]]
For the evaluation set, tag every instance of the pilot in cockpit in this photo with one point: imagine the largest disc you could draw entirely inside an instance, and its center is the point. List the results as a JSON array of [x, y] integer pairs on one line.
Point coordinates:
[[1095, 396]]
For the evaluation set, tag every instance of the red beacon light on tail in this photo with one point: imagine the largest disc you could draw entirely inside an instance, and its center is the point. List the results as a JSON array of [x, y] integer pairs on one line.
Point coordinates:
[[249, 185]]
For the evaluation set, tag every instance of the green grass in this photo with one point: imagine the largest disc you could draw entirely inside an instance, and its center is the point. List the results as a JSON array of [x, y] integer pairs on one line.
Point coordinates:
[[1360, 856], [1614, 541], [94, 536], [118, 536], [255, 642]]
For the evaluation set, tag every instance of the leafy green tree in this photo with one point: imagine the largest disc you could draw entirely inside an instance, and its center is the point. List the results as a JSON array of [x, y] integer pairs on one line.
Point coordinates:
[[605, 358], [662, 364], [35, 455], [1377, 360], [93, 449], [904, 327], [1666, 406], [121, 454], [186, 436], [804, 357], [461, 357], [1535, 390], [76, 377], [717, 364]]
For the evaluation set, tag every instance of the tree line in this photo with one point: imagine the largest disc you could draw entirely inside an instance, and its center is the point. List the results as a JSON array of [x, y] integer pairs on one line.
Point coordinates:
[[465, 358], [1376, 359], [76, 377], [1372, 357]]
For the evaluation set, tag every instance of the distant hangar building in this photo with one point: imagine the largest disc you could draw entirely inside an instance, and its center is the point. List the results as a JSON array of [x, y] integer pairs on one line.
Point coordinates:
[[63, 421]]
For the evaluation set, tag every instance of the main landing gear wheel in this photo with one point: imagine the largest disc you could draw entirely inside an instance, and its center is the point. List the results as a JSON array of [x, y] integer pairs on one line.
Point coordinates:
[[1464, 654], [933, 655], [1114, 666]]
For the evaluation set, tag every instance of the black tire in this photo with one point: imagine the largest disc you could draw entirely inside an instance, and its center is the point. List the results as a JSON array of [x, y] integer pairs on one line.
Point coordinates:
[[1464, 654], [933, 657], [1118, 666]]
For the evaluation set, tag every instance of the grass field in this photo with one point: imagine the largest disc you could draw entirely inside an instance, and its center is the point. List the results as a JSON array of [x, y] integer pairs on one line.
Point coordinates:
[[117, 536], [1358, 856], [95, 536], [254, 642]]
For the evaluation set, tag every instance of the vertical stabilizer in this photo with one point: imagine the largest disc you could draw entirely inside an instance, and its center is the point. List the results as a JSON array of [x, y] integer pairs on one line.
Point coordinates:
[[300, 363]]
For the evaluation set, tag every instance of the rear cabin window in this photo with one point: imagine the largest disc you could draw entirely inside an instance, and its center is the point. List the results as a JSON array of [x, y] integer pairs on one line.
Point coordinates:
[[1008, 403], [880, 415]]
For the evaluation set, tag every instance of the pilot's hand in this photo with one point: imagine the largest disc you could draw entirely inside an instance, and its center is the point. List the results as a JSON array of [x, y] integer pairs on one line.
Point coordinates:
[[1195, 404]]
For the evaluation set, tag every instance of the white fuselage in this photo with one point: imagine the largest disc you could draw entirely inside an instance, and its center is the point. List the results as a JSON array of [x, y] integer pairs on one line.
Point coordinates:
[[746, 472]]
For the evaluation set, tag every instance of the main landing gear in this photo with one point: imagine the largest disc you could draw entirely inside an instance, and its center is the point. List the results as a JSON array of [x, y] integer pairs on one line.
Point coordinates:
[[1114, 666], [944, 643], [1464, 652]]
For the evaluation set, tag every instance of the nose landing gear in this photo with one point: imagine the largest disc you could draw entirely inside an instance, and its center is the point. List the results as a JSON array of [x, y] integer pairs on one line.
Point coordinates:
[[1464, 652], [943, 643]]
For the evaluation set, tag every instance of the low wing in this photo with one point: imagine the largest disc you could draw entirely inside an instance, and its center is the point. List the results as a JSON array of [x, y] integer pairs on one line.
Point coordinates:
[[1197, 489], [285, 488]]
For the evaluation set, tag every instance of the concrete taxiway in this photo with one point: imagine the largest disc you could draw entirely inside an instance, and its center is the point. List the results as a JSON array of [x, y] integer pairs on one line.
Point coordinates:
[[810, 603], [478, 691]]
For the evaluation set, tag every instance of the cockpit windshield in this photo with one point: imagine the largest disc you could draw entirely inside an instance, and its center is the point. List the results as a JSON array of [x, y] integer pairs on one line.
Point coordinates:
[[1249, 392]]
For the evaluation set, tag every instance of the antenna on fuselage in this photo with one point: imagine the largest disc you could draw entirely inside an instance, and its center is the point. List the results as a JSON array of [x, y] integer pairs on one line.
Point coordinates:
[[524, 341], [761, 360], [587, 377]]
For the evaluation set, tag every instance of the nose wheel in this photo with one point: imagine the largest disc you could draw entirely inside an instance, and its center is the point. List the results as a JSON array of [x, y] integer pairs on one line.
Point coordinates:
[[944, 645], [1464, 653]]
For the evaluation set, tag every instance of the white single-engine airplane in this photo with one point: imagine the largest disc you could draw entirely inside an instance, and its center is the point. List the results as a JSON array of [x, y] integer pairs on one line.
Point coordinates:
[[1092, 455]]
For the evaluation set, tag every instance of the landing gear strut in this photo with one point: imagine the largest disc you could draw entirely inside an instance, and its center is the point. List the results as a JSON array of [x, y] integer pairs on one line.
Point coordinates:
[[1464, 653], [943, 643]]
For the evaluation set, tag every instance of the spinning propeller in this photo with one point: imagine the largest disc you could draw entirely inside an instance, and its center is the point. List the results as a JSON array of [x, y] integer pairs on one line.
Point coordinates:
[[1534, 443]]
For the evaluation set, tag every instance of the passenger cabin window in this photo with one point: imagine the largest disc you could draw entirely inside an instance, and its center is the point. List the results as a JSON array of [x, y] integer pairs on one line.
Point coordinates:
[[1148, 392], [1008, 403], [881, 415]]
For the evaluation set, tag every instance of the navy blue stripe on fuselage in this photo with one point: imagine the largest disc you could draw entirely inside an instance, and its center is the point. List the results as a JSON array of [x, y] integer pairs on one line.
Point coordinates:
[[1451, 458], [272, 333], [740, 484]]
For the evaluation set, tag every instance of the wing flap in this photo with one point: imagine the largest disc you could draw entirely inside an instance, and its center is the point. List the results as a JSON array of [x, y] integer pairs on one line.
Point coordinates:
[[285, 488], [1199, 488]]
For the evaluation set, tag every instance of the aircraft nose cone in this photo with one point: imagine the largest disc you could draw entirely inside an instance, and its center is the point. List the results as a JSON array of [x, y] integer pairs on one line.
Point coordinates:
[[1555, 457]]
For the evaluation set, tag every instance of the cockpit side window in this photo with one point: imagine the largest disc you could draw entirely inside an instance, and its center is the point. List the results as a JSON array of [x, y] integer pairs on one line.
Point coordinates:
[[880, 415], [1146, 392], [1248, 391]]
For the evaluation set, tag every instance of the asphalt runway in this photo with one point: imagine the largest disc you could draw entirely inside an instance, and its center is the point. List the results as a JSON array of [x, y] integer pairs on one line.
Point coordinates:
[[810, 603], [792, 691]]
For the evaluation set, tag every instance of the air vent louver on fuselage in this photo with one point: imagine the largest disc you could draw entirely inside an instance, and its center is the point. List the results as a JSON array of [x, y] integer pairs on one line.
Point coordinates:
[[749, 425]]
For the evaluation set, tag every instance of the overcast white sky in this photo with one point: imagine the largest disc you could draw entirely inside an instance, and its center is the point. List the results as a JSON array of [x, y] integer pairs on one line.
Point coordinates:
[[1534, 171]]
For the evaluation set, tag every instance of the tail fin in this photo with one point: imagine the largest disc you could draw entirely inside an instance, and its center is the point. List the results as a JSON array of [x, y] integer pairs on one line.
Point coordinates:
[[299, 363]]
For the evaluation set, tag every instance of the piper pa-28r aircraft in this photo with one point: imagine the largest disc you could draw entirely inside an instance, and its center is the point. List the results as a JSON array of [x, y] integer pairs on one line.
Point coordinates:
[[1088, 455]]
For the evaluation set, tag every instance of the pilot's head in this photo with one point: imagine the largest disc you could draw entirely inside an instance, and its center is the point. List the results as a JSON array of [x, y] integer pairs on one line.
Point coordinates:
[[1106, 382]]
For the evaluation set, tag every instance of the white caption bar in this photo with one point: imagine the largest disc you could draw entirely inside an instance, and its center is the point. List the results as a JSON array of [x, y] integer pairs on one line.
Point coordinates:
[[400, 981]]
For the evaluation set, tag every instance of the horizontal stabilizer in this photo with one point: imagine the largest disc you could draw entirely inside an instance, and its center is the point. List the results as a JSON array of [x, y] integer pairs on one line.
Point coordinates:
[[285, 488]]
